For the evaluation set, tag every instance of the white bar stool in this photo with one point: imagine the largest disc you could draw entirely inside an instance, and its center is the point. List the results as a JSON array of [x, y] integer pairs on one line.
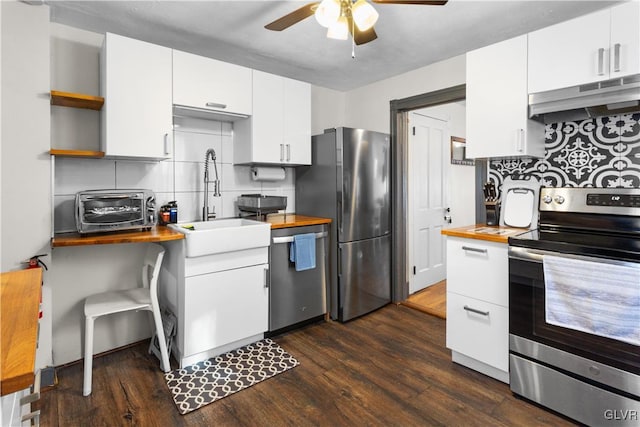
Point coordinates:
[[141, 298]]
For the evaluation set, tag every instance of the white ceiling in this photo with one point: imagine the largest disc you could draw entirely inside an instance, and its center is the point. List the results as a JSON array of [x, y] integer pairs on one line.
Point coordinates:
[[409, 36]]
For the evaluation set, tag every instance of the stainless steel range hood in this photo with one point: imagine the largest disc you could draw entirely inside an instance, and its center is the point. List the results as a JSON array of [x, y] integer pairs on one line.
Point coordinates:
[[606, 98]]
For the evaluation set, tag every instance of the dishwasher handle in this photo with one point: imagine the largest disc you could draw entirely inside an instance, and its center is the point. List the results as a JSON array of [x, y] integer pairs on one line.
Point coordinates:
[[289, 239]]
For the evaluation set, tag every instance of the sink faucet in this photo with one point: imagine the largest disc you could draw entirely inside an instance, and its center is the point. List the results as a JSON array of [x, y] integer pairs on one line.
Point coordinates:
[[210, 154]]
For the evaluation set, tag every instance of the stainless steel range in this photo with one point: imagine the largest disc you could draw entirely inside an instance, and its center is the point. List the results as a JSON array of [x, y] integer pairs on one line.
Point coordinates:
[[574, 306]]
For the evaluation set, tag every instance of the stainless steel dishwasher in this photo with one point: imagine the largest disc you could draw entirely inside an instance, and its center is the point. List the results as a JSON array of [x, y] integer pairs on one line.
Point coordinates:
[[296, 297]]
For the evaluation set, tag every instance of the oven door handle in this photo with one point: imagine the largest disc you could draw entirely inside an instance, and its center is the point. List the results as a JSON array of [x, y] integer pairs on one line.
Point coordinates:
[[536, 256]]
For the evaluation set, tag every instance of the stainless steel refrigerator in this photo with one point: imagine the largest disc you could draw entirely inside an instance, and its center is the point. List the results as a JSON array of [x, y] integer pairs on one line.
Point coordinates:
[[349, 182]]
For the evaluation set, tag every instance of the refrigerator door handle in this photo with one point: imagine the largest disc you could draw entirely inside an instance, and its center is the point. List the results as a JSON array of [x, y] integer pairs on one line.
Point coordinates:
[[339, 204]]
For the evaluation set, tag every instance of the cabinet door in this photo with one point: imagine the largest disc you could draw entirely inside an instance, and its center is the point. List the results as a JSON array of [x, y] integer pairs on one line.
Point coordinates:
[[625, 39], [137, 119], [297, 122], [479, 330], [225, 307], [211, 84], [497, 103], [268, 118], [570, 53], [478, 269]]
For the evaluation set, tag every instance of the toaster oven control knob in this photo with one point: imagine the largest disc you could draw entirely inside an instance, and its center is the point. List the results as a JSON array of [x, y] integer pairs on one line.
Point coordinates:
[[559, 200], [547, 199]]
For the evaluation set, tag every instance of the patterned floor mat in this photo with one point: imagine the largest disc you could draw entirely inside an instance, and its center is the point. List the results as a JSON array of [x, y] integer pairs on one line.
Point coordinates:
[[198, 385]]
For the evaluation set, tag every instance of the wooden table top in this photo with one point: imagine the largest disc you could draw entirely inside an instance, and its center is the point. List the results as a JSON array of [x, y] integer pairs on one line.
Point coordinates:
[[485, 232], [19, 306], [293, 220], [158, 233]]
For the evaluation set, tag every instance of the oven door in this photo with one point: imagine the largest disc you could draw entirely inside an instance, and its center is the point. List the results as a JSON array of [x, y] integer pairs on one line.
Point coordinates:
[[528, 320]]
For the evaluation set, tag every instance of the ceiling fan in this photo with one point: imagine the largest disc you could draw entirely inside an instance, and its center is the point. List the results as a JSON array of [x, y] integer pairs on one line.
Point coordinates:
[[342, 17]]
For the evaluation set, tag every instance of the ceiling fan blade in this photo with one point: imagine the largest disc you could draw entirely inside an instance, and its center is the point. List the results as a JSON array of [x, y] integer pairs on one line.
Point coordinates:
[[362, 37], [292, 18], [424, 2]]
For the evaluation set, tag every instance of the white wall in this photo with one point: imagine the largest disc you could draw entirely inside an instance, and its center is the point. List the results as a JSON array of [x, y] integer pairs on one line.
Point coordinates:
[[26, 208], [327, 109], [368, 107]]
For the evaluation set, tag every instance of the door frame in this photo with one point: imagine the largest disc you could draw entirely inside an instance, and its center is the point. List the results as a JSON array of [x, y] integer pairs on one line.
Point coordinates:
[[399, 109]]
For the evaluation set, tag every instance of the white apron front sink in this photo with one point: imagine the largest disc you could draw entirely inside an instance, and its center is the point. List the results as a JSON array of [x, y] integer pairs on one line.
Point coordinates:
[[223, 235]]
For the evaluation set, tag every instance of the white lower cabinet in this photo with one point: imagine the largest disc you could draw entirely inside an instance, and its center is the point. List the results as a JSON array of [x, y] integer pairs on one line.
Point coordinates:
[[225, 307], [478, 305], [221, 301]]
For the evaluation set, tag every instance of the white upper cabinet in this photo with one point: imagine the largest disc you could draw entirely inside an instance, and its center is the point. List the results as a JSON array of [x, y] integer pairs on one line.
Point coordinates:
[[497, 103], [297, 121], [209, 84], [135, 82], [279, 131], [599, 46]]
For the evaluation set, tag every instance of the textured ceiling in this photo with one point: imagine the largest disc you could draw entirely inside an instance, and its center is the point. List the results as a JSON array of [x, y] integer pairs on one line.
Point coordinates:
[[409, 36]]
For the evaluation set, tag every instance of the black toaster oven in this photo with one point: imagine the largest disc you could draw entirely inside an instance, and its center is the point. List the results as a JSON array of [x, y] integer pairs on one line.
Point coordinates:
[[100, 211]]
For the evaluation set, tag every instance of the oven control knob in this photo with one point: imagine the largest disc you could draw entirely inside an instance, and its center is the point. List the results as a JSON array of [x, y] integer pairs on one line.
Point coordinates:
[[547, 199], [559, 200]]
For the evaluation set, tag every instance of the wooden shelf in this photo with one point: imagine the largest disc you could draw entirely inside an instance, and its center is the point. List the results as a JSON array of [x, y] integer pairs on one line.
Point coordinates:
[[76, 100], [77, 153], [156, 234]]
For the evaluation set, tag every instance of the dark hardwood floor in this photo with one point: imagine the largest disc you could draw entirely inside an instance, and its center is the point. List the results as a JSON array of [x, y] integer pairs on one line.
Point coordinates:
[[390, 368]]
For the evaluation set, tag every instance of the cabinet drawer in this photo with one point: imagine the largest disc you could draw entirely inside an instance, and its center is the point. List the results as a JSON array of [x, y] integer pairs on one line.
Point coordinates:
[[478, 329], [478, 269]]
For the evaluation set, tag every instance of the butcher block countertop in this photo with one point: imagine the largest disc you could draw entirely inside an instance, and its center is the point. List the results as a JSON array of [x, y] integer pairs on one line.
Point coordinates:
[[293, 220], [485, 232], [158, 233], [19, 306]]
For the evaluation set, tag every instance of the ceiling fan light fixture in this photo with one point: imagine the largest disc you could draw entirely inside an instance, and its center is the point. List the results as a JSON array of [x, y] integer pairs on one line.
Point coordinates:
[[328, 12], [364, 15], [339, 30]]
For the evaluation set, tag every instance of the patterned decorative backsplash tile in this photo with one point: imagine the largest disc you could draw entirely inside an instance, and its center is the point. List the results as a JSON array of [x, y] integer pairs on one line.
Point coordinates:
[[601, 152]]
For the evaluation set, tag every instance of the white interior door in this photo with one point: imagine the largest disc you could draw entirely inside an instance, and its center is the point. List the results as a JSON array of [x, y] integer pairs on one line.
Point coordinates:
[[427, 182]]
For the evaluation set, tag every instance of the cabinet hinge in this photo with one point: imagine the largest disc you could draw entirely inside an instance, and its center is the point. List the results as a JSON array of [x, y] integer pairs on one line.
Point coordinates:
[[414, 131], [414, 270]]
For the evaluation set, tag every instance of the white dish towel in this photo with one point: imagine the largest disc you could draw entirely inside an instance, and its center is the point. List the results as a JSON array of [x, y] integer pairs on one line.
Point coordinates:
[[594, 297]]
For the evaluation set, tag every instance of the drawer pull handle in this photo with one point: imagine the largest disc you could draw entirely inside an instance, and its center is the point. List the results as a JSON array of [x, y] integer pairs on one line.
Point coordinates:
[[216, 105], [475, 310], [470, 249]]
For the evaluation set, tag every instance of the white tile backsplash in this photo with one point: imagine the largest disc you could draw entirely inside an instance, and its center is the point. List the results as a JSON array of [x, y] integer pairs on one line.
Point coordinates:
[[188, 124], [179, 179], [64, 213], [156, 176], [189, 176], [191, 146], [238, 178], [227, 149], [73, 175]]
